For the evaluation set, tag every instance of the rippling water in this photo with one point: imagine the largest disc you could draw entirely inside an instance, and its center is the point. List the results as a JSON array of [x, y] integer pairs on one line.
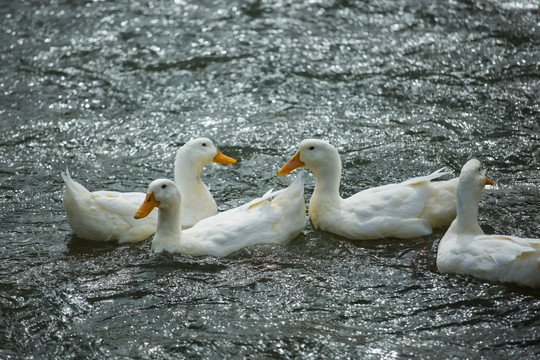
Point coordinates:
[[110, 89]]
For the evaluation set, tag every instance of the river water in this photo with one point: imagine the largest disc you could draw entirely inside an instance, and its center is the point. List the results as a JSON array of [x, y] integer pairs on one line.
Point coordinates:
[[110, 89]]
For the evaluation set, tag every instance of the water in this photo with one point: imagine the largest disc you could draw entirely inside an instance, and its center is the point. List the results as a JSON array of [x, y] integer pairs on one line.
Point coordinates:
[[111, 89]]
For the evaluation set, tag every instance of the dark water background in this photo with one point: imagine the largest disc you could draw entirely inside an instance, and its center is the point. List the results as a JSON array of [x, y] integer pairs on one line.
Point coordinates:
[[110, 89]]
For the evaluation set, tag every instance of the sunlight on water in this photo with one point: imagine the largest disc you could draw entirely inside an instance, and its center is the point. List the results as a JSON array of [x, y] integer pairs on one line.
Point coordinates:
[[110, 90]]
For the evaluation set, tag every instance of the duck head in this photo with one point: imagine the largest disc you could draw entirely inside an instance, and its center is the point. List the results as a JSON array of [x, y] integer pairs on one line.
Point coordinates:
[[473, 174], [314, 154], [161, 193], [203, 151]]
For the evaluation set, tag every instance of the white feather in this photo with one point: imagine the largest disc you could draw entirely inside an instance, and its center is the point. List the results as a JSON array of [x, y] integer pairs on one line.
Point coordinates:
[[405, 210], [465, 249], [261, 220], [108, 215]]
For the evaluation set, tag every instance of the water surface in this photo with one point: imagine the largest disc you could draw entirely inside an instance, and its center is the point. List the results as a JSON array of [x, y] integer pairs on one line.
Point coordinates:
[[402, 88]]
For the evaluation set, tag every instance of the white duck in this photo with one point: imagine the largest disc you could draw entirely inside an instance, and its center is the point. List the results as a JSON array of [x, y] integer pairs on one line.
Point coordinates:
[[464, 249], [405, 210], [259, 221], [108, 215]]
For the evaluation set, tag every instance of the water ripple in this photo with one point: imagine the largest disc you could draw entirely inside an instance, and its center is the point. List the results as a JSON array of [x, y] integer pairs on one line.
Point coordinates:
[[110, 90]]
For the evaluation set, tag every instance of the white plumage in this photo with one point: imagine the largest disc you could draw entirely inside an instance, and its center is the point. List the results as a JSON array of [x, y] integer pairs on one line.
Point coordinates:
[[465, 249], [405, 210], [108, 215], [260, 221]]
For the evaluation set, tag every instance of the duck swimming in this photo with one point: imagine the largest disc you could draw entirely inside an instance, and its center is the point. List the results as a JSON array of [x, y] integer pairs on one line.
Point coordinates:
[[108, 215], [260, 221], [465, 249], [405, 210]]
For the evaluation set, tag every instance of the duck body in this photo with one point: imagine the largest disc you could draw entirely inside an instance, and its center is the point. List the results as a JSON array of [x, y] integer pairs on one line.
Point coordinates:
[[440, 208], [105, 215], [393, 210], [465, 249], [262, 220], [108, 215], [405, 210]]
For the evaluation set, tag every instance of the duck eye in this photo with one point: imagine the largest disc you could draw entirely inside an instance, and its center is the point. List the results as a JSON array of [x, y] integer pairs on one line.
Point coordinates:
[[312, 148], [163, 186], [203, 144]]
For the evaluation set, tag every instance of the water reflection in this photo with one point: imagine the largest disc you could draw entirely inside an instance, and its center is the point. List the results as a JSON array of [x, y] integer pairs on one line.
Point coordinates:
[[111, 89]]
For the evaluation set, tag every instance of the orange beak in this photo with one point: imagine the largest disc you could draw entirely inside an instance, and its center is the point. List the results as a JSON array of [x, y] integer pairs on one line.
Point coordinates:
[[148, 205], [223, 159], [489, 181], [292, 164]]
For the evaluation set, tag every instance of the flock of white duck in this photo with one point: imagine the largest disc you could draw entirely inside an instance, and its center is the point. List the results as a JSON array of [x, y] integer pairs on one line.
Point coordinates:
[[187, 220]]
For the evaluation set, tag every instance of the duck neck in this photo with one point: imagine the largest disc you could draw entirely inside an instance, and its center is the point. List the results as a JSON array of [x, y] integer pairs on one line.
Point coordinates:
[[467, 202], [327, 180], [169, 224], [187, 176]]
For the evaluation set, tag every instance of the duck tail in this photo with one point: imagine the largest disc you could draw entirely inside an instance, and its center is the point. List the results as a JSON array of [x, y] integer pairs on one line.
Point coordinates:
[[427, 178], [296, 188], [258, 201], [293, 205], [66, 176], [437, 174], [71, 185], [293, 191]]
